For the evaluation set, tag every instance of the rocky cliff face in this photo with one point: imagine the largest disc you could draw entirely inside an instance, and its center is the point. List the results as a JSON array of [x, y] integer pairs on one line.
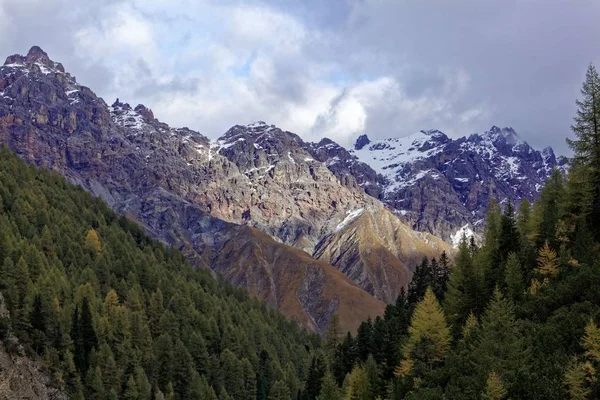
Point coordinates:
[[21, 378], [441, 185], [213, 200]]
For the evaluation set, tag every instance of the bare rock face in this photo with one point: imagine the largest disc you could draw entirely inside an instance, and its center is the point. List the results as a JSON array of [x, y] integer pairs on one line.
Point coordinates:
[[21, 378], [291, 195]]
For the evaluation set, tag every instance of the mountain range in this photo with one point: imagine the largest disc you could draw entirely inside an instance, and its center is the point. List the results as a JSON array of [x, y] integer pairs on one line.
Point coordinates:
[[312, 229]]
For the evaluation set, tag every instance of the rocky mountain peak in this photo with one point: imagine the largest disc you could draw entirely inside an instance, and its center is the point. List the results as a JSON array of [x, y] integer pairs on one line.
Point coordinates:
[[144, 112], [506, 134], [35, 57], [361, 142]]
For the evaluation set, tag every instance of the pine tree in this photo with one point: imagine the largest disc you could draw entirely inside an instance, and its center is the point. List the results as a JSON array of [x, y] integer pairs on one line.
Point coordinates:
[[464, 294], [333, 337], [131, 391], [587, 145], [345, 356], [515, 284], [329, 389], [280, 391], [440, 275], [509, 234], [500, 346], [87, 333], [494, 388], [357, 385], [38, 325], [364, 339], [263, 375], [316, 372], [428, 337], [421, 280]]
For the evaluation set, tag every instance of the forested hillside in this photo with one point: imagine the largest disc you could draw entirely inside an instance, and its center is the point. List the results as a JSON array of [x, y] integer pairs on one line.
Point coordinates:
[[115, 314], [517, 318]]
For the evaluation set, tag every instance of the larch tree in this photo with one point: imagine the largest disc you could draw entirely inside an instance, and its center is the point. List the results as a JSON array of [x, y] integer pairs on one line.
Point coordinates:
[[92, 242], [494, 388], [428, 337], [547, 262]]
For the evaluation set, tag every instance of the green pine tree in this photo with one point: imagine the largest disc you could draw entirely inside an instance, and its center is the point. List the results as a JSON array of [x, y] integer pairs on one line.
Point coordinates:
[[586, 146], [329, 389]]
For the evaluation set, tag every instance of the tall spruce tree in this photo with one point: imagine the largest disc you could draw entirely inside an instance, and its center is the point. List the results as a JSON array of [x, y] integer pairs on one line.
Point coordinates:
[[421, 280], [465, 289], [586, 146]]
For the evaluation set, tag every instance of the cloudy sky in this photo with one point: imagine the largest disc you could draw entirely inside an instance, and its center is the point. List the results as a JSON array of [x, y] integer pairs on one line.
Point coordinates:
[[333, 68]]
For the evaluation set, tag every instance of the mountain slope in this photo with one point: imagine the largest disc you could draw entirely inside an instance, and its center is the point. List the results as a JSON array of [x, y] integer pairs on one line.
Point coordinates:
[[169, 180], [378, 252]]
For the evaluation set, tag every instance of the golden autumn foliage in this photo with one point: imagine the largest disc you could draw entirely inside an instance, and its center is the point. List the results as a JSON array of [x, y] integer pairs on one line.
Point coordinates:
[[547, 262], [494, 388], [92, 241], [428, 323]]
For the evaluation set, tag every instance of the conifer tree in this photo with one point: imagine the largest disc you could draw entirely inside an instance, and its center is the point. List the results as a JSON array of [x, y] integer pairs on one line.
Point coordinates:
[[509, 234], [464, 294], [515, 284], [333, 337], [591, 342], [329, 389], [421, 280], [38, 325], [547, 262], [249, 392], [357, 385], [87, 333], [500, 346], [364, 339], [494, 388], [428, 337], [586, 146], [316, 372], [576, 380], [131, 391], [280, 391], [92, 242]]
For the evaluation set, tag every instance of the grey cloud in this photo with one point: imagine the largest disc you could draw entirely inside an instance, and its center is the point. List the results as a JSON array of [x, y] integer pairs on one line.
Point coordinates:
[[525, 60]]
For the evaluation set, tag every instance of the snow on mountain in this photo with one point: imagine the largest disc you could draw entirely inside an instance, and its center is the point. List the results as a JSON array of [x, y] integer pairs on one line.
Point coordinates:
[[443, 185]]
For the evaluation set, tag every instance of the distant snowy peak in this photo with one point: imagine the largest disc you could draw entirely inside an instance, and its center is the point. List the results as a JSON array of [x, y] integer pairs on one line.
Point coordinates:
[[443, 185]]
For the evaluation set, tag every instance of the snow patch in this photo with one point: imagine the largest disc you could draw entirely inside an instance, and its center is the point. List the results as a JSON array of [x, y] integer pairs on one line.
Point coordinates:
[[351, 216], [465, 231]]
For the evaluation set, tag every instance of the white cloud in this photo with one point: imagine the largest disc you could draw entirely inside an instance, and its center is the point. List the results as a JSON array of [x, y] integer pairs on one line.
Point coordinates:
[[383, 67]]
